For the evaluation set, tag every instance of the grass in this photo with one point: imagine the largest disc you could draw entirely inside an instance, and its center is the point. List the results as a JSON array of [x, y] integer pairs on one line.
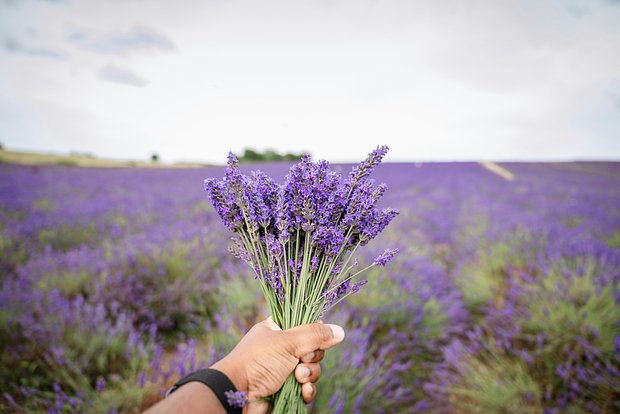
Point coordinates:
[[35, 158], [496, 386]]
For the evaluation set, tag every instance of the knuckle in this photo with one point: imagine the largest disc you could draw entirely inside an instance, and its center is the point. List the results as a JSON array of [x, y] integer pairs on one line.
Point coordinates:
[[322, 332]]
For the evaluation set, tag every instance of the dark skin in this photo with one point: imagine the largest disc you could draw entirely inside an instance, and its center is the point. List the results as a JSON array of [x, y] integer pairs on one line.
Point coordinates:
[[259, 365]]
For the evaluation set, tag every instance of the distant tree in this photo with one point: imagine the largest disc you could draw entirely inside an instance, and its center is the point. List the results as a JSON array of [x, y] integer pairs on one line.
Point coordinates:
[[154, 158], [1, 146], [251, 155], [82, 154], [271, 155]]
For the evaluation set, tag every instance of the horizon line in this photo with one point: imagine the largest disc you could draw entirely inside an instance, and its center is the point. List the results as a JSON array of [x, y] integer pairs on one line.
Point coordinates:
[[400, 160]]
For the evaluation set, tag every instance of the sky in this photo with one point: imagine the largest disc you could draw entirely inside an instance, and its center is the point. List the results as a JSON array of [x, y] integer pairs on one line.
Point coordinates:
[[190, 80]]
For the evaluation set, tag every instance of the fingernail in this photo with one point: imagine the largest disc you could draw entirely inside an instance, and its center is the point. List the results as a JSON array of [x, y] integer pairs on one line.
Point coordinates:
[[304, 372], [337, 331]]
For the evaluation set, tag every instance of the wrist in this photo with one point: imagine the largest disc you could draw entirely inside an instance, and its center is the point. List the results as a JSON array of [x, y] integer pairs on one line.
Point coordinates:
[[235, 372], [220, 384]]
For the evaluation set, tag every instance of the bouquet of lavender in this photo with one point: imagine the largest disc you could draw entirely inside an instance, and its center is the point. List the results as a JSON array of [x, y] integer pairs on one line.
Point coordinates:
[[299, 238]]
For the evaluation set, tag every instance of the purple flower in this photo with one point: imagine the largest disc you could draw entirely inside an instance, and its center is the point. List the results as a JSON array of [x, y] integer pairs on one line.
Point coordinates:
[[386, 257], [361, 171], [100, 386], [329, 240], [314, 264], [236, 399], [273, 245], [238, 250], [355, 287], [141, 380], [221, 199]]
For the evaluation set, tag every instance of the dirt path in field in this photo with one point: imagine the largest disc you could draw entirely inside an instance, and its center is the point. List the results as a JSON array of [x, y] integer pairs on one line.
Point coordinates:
[[499, 170]]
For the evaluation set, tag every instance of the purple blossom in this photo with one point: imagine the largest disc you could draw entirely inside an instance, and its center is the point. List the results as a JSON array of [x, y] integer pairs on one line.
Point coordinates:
[[141, 380], [238, 250], [385, 257], [355, 287], [236, 399], [100, 386], [273, 245], [329, 240], [312, 205], [360, 172], [314, 264]]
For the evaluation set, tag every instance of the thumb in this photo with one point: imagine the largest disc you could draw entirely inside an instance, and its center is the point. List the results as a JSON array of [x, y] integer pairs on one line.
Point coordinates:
[[307, 338]]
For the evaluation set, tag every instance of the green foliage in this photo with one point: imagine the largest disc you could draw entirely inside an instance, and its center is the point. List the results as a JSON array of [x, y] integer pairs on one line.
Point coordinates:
[[122, 394], [169, 286], [101, 353], [491, 384], [201, 207], [392, 305], [571, 303], [13, 253], [66, 282], [572, 296], [44, 204], [613, 240], [90, 351], [67, 163], [434, 319], [250, 155], [120, 220], [67, 237], [485, 279], [239, 296], [572, 221], [389, 307], [568, 310]]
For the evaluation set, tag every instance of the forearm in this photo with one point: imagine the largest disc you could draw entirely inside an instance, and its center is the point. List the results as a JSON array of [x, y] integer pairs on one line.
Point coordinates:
[[192, 398]]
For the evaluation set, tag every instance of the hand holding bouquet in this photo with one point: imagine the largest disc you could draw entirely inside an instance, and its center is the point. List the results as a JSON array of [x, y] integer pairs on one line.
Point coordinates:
[[300, 237]]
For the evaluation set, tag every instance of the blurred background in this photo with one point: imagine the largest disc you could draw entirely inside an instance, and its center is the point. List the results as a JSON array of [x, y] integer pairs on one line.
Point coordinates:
[[191, 80]]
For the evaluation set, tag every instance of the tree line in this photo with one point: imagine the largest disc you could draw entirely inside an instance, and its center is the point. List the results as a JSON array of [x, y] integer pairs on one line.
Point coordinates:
[[251, 155]]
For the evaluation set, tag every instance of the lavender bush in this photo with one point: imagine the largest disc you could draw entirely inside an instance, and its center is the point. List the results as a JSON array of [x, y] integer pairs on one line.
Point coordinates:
[[299, 238], [504, 296]]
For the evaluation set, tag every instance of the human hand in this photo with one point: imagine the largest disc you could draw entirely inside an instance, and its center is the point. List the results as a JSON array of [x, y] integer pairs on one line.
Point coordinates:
[[266, 355]]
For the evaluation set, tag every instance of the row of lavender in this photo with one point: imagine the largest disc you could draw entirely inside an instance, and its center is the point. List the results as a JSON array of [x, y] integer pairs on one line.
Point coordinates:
[[505, 297]]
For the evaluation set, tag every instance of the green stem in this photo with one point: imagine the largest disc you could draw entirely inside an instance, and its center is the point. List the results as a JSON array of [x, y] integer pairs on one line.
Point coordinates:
[[351, 277]]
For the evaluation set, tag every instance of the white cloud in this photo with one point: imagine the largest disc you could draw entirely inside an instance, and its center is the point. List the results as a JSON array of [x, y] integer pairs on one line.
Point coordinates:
[[120, 75], [138, 38], [14, 46]]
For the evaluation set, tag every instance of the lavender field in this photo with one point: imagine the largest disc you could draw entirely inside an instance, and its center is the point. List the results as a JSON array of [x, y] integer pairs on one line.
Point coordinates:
[[504, 298]]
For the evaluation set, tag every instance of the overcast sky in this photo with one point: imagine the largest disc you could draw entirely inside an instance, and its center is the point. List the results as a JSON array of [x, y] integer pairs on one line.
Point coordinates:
[[434, 80]]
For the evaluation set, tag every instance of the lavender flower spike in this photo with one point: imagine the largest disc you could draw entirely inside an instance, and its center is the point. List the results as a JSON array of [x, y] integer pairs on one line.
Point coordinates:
[[385, 257], [236, 399], [360, 172]]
